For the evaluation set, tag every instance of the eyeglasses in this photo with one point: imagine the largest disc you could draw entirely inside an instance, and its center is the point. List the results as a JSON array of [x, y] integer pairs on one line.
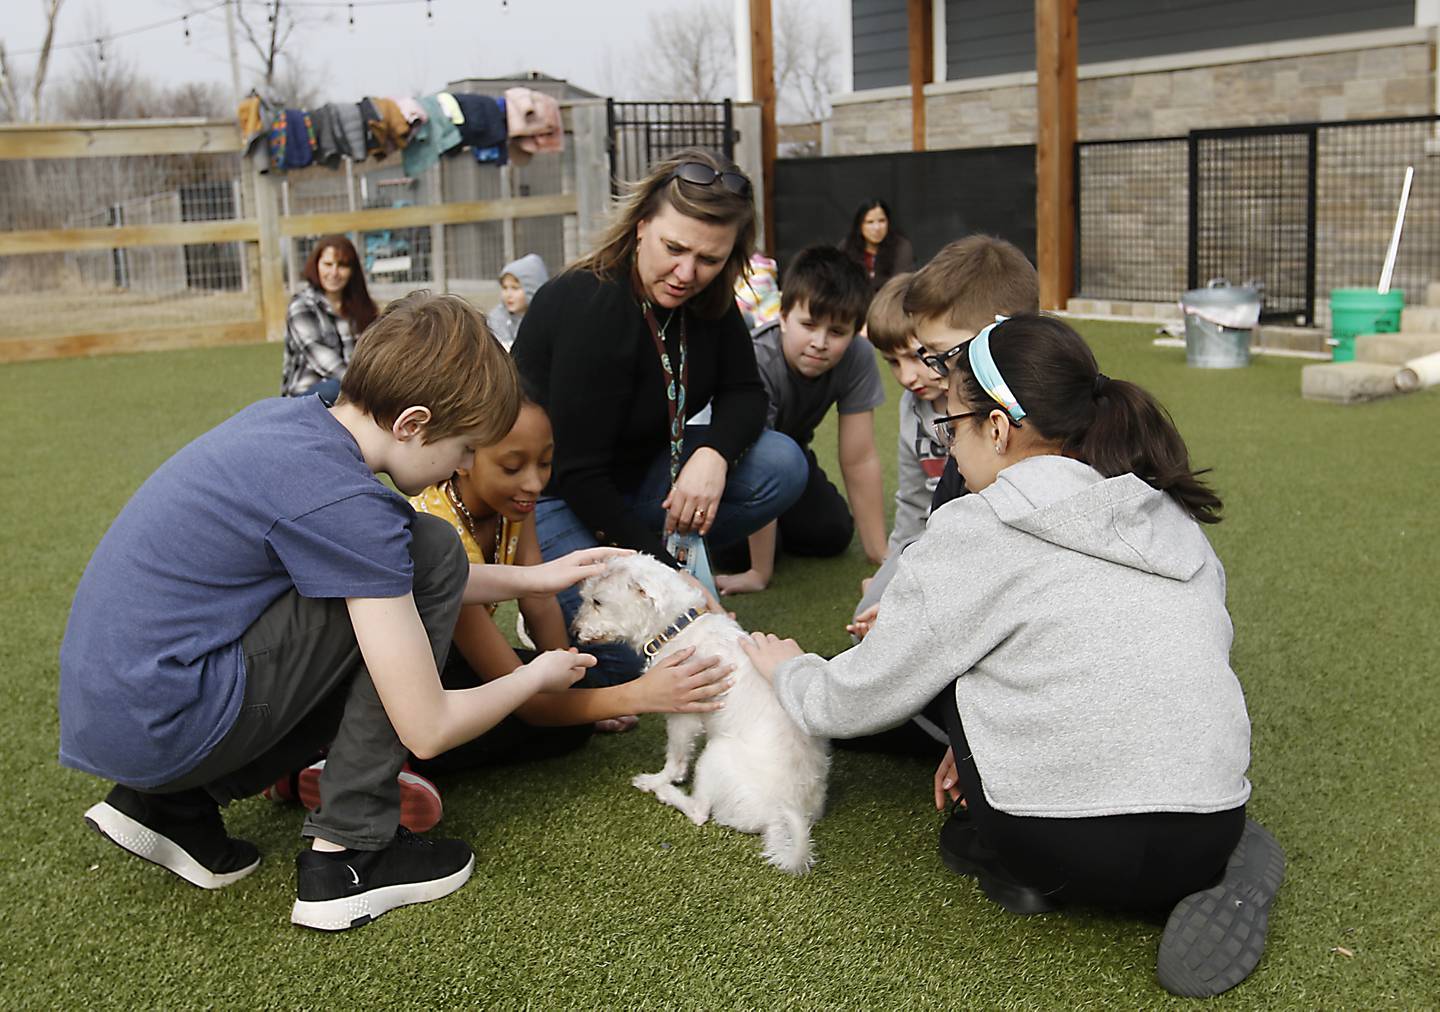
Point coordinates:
[[703, 175], [943, 427], [940, 363]]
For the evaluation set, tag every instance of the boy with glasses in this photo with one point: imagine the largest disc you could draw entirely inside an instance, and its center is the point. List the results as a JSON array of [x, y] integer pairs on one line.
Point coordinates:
[[946, 303]]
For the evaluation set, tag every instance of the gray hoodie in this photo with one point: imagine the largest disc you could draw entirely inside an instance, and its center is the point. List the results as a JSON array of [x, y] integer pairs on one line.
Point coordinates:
[[530, 271], [1085, 619]]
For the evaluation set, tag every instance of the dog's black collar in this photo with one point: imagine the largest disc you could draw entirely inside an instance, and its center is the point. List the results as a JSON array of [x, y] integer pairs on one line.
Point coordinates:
[[652, 646]]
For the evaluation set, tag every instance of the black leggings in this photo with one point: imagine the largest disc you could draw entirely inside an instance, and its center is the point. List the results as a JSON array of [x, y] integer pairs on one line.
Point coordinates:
[[1146, 861], [510, 741]]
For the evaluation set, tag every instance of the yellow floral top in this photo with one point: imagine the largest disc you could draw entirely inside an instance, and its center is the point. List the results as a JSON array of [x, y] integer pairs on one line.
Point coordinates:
[[436, 501]]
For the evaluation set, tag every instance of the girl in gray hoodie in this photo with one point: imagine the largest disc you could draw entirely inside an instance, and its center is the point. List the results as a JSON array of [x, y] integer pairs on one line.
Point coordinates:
[[1071, 617]]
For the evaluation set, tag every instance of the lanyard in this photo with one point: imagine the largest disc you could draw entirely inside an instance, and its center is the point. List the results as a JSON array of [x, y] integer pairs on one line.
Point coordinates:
[[674, 390]]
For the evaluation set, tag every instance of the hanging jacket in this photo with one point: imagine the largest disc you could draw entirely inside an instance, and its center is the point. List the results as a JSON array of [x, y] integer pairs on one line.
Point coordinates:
[[299, 139], [1081, 621], [411, 109], [484, 125], [533, 123], [430, 139], [351, 137], [451, 107], [390, 129], [327, 135]]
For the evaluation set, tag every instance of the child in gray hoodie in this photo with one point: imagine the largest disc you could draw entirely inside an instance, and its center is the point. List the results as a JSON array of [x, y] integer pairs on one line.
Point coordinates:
[[1071, 616], [519, 281]]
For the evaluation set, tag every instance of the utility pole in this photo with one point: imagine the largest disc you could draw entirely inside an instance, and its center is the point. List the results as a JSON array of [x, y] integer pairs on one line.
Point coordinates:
[[1056, 58], [234, 50]]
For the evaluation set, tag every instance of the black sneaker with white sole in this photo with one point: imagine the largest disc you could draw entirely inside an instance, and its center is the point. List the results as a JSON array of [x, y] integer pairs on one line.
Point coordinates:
[[348, 888], [181, 832]]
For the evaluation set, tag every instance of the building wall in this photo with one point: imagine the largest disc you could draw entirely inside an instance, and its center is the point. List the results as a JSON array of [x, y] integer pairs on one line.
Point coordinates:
[[1345, 80], [987, 37]]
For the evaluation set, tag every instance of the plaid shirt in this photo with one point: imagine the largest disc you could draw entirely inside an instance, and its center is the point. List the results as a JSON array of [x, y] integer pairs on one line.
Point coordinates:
[[318, 343]]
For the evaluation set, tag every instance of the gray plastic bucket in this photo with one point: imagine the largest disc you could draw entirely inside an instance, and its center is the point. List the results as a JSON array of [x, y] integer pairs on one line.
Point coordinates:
[[1214, 345]]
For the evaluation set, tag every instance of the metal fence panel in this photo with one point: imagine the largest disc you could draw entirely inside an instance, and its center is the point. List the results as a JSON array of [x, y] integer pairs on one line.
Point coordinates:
[[1131, 243], [643, 133]]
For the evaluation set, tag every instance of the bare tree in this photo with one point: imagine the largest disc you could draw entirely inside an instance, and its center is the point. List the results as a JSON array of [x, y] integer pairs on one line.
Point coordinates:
[[277, 70], [688, 57], [103, 83], [806, 58], [9, 92]]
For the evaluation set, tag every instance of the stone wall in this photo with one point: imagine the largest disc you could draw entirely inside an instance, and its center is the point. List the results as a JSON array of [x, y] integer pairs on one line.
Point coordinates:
[[1394, 80]]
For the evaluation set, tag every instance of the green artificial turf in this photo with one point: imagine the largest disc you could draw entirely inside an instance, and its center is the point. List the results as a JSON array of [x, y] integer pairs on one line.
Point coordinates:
[[588, 893]]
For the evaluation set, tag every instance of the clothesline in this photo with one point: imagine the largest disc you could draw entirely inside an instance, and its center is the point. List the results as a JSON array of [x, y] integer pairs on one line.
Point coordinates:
[[183, 20]]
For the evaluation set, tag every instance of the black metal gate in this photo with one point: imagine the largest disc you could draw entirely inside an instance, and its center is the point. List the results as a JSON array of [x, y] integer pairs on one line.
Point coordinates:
[[1252, 213], [643, 133]]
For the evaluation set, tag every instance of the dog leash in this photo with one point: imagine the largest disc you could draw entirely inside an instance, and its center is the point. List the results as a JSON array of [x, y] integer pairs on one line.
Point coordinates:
[[653, 645]]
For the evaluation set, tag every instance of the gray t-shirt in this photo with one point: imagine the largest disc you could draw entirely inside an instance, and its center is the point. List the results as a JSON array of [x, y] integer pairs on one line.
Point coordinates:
[[797, 404]]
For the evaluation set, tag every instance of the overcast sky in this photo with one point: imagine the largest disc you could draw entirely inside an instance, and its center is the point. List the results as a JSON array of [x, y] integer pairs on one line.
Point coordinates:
[[391, 50]]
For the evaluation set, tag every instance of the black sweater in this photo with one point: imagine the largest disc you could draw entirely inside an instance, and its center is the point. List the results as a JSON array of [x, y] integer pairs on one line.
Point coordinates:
[[586, 350]]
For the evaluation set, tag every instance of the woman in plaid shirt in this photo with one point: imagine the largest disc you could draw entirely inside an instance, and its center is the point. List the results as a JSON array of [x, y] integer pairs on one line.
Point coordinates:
[[324, 319]]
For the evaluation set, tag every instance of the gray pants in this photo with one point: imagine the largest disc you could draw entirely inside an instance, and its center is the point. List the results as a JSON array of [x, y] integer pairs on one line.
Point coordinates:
[[306, 687]]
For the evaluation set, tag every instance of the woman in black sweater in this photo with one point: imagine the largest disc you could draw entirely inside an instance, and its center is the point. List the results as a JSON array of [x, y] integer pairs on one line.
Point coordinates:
[[628, 344]]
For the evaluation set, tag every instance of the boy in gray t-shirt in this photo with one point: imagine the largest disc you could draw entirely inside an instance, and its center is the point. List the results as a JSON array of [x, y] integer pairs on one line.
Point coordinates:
[[810, 360]]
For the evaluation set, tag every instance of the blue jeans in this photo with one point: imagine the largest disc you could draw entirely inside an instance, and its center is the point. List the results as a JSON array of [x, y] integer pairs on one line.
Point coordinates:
[[764, 484]]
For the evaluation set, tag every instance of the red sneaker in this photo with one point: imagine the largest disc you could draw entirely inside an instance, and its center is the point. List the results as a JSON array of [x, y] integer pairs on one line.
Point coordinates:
[[420, 804]]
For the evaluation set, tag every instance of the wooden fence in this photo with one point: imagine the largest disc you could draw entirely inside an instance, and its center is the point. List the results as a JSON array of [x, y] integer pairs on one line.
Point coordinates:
[[263, 235]]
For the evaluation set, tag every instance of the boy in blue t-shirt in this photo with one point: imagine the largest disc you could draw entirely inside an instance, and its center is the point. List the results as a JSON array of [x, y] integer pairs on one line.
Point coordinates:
[[263, 595]]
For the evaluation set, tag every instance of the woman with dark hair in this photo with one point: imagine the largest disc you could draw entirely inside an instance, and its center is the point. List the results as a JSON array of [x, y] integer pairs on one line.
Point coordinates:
[[623, 348], [324, 320], [876, 244], [1099, 736]]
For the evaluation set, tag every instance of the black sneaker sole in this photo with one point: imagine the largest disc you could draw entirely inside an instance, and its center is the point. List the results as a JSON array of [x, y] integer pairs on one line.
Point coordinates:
[[362, 908], [1214, 938], [144, 842]]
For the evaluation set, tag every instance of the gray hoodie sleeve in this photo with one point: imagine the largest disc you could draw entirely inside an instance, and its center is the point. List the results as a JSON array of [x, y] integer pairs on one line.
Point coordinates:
[[903, 663], [912, 493]]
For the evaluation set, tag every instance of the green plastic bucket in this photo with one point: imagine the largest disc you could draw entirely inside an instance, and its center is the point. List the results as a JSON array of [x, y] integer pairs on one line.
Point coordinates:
[[1356, 311]]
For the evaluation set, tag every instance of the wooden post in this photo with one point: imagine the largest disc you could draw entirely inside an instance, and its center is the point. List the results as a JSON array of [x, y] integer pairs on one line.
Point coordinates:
[[920, 17], [762, 79], [273, 300], [1056, 57]]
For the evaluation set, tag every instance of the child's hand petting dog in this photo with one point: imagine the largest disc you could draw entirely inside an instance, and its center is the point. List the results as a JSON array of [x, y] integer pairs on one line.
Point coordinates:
[[684, 683], [863, 622], [768, 651], [558, 669]]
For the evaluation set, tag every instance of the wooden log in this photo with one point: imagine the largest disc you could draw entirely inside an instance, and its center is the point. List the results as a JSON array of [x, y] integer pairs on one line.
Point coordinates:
[[70, 240], [103, 140], [119, 342]]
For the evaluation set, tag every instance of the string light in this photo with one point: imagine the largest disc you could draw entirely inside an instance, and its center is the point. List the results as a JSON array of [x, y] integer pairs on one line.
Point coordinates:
[[100, 48], [186, 22], [272, 11]]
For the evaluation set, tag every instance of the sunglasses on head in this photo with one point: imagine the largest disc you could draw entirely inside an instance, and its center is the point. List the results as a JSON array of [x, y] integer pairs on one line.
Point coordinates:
[[703, 175]]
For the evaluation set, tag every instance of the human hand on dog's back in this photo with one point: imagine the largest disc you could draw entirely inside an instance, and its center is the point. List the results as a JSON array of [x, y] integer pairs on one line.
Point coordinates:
[[768, 651], [555, 670], [684, 683]]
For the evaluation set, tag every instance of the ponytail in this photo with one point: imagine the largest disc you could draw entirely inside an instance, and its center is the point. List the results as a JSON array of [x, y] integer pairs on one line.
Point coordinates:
[[1114, 426]]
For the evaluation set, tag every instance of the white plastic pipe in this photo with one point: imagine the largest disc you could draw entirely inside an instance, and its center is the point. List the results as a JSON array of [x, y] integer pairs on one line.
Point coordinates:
[[1419, 373], [1388, 270]]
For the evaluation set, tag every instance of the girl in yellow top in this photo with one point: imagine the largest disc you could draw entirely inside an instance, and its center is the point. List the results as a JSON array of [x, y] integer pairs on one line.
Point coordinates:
[[491, 506]]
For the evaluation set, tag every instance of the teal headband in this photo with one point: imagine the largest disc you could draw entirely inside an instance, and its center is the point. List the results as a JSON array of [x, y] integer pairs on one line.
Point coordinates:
[[982, 364]]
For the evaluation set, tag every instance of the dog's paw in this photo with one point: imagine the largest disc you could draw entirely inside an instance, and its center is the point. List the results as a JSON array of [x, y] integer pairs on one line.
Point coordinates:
[[649, 782]]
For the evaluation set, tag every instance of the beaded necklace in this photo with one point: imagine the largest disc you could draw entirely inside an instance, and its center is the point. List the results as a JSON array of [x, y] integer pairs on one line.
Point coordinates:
[[469, 521]]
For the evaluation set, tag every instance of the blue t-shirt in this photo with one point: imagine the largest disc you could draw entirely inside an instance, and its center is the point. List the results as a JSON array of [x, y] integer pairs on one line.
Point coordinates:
[[151, 670]]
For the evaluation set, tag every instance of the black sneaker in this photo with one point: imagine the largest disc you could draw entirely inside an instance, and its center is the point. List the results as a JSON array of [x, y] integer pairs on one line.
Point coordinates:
[[181, 832], [1215, 937], [964, 854], [348, 888]]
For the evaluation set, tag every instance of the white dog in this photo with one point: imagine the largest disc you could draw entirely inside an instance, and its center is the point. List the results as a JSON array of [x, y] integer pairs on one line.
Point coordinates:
[[758, 773]]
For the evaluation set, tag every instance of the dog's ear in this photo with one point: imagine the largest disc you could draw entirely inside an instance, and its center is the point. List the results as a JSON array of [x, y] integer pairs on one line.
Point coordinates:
[[648, 576]]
